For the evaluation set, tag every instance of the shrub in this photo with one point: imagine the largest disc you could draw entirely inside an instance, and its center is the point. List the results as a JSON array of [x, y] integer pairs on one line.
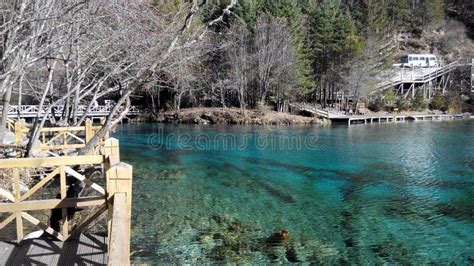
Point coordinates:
[[419, 103], [376, 104], [454, 103], [403, 105], [439, 102]]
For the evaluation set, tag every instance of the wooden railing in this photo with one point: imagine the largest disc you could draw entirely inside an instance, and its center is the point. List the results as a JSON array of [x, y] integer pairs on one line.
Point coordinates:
[[115, 198], [321, 112], [55, 139]]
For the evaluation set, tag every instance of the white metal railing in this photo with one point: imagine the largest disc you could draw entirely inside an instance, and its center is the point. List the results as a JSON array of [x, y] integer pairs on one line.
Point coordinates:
[[421, 75], [26, 111], [323, 112]]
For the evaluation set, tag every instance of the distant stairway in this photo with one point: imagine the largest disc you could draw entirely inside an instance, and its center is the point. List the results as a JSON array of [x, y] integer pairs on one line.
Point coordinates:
[[416, 75]]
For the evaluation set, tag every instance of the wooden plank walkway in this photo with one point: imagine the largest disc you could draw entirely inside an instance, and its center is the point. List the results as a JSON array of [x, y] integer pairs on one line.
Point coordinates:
[[89, 249], [370, 119]]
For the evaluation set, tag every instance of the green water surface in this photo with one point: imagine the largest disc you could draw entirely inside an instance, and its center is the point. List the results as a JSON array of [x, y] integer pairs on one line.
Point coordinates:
[[369, 194]]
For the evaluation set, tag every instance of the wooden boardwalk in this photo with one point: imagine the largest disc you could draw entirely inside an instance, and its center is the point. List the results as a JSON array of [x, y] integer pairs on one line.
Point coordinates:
[[370, 119], [87, 250], [417, 75], [112, 196]]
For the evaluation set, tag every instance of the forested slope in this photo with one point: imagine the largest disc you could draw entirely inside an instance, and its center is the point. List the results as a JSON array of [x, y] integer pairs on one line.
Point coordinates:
[[274, 52], [250, 54]]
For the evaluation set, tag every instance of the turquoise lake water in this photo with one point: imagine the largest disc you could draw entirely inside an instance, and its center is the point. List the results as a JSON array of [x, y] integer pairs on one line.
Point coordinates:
[[368, 194]]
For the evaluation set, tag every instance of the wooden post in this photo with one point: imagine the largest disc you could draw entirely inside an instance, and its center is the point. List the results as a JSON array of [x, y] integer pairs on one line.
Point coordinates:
[[119, 201], [89, 130], [20, 130], [63, 185], [112, 151], [112, 154], [19, 220], [20, 127]]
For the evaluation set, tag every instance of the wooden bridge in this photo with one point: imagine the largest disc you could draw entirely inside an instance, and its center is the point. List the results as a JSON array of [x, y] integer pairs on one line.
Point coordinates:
[[31, 111], [406, 81], [350, 119], [394, 118], [107, 199], [327, 113]]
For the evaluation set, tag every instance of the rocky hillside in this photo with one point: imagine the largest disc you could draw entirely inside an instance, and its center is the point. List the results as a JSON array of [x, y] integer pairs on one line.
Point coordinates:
[[462, 10], [450, 41]]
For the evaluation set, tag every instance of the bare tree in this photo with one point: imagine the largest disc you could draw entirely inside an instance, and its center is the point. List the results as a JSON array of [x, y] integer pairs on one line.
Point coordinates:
[[274, 56], [70, 53], [239, 62]]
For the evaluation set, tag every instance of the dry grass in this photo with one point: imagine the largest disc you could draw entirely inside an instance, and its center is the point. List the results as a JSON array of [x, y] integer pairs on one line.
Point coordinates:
[[234, 116]]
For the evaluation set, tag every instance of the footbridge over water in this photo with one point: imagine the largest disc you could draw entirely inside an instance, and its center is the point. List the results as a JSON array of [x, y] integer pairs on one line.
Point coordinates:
[[320, 112], [370, 118], [31, 111]]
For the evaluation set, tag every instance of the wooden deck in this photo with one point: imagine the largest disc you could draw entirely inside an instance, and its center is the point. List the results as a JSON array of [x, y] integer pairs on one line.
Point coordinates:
[[113, 196], [370, 119], [88, 249]]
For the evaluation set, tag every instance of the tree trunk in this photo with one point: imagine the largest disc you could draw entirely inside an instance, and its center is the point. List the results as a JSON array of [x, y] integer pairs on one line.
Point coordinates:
[[109, 123], [6, 106]]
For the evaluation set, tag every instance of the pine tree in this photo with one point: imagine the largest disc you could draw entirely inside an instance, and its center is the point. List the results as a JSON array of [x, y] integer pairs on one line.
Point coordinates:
[[333, 43], [249, 10]]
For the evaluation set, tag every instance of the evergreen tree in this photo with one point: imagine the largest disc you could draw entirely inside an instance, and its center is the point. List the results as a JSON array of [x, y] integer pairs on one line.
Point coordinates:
[[419, 103], [333, 43], [439, 102], [249, 11]]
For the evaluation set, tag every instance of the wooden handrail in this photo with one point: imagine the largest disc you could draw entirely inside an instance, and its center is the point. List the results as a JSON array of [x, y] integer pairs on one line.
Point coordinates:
[[62, 129], [116, 197], [118, 250], [59, 138], [51, 161]]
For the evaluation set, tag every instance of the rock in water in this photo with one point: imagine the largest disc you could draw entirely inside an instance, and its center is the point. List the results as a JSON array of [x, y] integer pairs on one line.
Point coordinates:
[[280, 238]]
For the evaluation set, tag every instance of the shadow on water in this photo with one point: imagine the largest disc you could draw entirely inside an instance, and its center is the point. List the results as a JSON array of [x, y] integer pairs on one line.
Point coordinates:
[[258, 182]]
